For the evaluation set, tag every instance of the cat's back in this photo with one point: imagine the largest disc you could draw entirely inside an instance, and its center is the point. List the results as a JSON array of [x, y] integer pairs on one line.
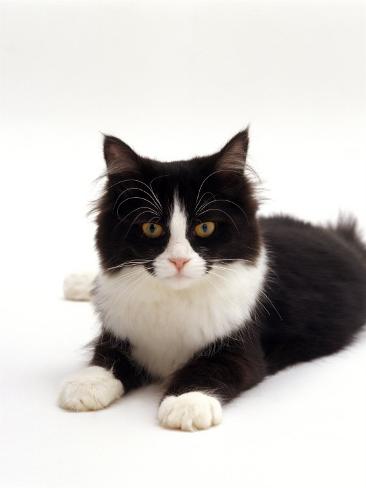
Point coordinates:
[[317, 286], [339, 245]]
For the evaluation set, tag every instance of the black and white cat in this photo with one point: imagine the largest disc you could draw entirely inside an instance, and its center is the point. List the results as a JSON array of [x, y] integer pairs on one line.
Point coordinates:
[[197, 291]]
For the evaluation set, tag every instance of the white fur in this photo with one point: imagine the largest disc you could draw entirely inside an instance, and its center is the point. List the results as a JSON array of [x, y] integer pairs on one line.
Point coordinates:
[[91, 388], [190, 411], [166, 326], [78, 286], [170, 317], [179, 248]]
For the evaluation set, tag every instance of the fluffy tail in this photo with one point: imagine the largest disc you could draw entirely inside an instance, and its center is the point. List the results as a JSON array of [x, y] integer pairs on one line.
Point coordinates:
[[348, 229], [79, 286]]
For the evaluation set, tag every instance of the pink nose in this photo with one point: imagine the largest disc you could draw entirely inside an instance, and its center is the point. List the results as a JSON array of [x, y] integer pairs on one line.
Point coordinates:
[[178, 262]]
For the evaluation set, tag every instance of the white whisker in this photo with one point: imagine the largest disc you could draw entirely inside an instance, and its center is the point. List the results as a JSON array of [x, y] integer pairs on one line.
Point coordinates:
[[271, 303], [211, 174], [203, 196], [138, 189], [221, 200], [130, 263], [157, 210], [142, 183], [227, 259], [134, 210]]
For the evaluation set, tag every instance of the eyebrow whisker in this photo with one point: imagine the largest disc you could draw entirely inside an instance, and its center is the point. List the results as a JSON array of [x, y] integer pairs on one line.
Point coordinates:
[[135, 210], [222, 200], [142, 183], [211, 174], [138, 189], [203, 196], [138, 198]]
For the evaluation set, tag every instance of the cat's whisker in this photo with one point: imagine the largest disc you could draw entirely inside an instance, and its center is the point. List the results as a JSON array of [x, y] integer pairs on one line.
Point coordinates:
[[212, 174], [203, 196], [158, 206], [136, 273], [126, 263], [129, 263], [221, 200], [261, 304], [152, 191], [127, 276], [225, 278], [201, 207], [227, 259], [226, 267], [135, 210], [142, 183], [262, 292], [157, 210], [215, 267]]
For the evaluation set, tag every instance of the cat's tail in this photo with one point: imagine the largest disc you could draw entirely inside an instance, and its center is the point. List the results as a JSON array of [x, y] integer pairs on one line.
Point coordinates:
[[79, 286], [348, 229]]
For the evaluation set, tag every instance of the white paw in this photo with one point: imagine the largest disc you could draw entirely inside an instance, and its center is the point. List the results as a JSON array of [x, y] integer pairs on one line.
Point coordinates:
[[78, 286], [190, 411], [92, 388]]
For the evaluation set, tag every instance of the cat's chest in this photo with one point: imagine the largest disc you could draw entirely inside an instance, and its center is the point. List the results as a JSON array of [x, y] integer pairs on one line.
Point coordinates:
[[167, 327]]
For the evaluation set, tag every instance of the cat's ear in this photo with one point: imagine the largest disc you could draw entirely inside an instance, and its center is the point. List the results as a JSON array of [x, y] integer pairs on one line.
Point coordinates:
[[119, 156], [233, 155]]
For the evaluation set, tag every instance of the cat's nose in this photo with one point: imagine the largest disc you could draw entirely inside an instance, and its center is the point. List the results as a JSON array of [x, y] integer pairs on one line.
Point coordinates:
[[179, 262]]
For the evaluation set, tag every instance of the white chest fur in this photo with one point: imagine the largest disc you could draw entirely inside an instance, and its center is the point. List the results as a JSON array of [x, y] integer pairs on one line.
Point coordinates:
[[165, 326]]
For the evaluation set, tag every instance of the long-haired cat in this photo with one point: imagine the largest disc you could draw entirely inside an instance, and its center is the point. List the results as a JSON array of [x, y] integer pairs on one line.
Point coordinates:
[[196, 290]]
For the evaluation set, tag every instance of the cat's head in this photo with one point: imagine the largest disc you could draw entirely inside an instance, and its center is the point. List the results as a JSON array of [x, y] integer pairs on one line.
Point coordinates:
[[181, 219]]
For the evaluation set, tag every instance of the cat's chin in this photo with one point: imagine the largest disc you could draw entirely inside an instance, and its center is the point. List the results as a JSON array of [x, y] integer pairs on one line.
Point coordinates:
[[179, 282]]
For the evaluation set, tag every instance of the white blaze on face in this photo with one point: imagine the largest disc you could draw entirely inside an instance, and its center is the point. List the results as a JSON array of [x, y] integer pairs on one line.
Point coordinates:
[[178, 245], [179, 250]]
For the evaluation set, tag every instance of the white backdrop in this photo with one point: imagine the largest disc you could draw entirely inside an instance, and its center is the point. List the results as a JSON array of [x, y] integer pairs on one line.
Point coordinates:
[[173, 79]]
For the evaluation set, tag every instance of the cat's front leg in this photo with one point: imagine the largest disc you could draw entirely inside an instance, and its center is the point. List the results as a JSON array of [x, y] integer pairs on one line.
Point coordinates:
[[111, 373], [194, 398]]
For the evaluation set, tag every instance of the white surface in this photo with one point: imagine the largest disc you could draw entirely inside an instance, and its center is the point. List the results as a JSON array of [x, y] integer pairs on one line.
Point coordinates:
[[305, 424], [173, 80]]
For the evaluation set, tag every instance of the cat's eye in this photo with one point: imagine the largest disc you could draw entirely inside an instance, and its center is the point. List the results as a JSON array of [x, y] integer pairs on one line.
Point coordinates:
[[150, 229], [205, 229]]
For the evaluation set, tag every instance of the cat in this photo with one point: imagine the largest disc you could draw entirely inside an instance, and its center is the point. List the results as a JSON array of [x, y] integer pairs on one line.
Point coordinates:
[[197, 291]]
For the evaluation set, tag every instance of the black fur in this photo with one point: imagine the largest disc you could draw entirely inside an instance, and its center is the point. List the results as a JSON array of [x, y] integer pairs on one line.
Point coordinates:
[[314, 297], [225, 368], [318, 289], [119, 237], [112, 353]]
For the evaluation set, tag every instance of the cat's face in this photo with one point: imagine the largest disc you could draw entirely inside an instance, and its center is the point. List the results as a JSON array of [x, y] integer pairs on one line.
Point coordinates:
[[180, 220]]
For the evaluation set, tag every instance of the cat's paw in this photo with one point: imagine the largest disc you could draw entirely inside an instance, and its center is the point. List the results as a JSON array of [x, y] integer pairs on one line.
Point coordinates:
[[190, 411], [92, 388], [78, 286]]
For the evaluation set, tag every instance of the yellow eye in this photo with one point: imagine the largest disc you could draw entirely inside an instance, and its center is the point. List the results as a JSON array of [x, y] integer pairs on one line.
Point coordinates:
[[205, 229], [152, 230]]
